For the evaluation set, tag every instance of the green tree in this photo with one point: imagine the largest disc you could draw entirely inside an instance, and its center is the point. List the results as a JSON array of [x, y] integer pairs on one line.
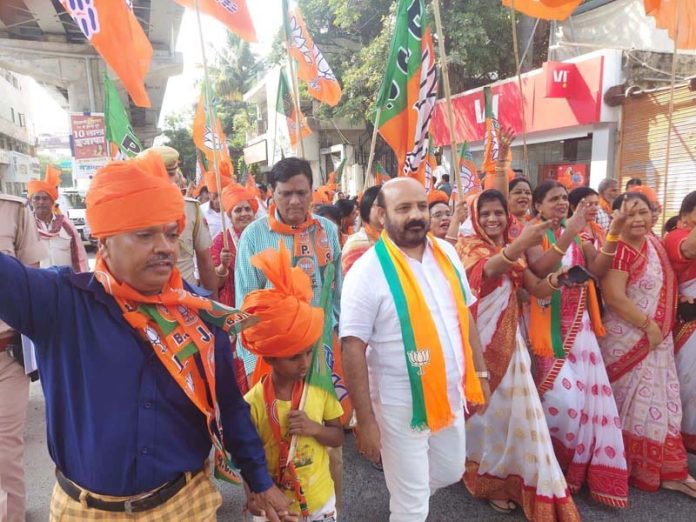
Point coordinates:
[[177, 131], [354, 37]]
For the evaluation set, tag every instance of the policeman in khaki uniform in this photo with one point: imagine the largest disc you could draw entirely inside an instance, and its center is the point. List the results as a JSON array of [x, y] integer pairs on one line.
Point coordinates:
[[18, 238], [195, 239]]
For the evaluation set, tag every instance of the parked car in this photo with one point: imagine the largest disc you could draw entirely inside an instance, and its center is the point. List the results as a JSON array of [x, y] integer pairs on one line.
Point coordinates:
[[71, 202]]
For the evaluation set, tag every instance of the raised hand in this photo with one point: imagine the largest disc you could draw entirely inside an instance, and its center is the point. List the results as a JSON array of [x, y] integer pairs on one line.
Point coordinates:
[[505, 138], [533, 234], [578, 221], [619, 217]]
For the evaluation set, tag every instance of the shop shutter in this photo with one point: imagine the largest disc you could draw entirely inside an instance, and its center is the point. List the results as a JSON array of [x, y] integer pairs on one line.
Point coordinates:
[[643, 145]]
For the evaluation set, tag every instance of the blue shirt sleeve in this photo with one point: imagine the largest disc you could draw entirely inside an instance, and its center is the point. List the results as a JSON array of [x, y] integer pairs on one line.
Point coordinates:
[[239, 433], [29, 298]]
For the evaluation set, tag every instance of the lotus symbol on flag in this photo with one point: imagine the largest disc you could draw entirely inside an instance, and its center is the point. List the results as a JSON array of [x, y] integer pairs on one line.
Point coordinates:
[[231, 6], [208, 140], [419, 359], [85, 15]]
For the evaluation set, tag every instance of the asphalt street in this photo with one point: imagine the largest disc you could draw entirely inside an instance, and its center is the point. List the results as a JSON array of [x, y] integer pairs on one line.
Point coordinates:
[[365, 494]]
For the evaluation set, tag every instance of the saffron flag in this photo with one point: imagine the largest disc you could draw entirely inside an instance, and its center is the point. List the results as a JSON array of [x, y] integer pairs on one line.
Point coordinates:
[[233, 13], [468, 173], [285, 105], [491, 140], [115, 33], [665, 13], [380, 173], [409, 89], [208, 137], [545, 9], [312, 67], [338, 171], [119, 131]]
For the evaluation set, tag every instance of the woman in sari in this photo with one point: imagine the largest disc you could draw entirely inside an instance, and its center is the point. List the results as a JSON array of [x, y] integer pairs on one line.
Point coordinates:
[[360, 242], [520, 202], [510, 457], [241, 208], [593, 232], [640, 292], [571, 378], [681, 249]]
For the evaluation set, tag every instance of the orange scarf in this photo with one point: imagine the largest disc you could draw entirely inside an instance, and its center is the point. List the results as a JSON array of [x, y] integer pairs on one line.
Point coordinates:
[[172, 323], [303, 249]]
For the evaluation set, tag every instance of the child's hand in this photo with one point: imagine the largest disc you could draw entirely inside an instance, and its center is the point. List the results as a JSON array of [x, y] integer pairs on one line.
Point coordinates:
[[300, 424]]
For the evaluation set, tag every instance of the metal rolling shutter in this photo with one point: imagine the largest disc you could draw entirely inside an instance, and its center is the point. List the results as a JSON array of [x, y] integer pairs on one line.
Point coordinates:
[[644, 144]]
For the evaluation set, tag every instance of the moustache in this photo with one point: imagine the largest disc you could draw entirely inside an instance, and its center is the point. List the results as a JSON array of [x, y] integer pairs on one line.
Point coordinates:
[[160, 259], [415, 224]]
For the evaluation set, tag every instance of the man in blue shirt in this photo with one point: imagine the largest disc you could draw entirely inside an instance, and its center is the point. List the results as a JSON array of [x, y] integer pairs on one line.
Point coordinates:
[[137, 371]]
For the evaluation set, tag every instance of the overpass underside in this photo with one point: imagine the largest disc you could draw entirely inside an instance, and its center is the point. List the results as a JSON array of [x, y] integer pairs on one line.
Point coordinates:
[[39, 39]]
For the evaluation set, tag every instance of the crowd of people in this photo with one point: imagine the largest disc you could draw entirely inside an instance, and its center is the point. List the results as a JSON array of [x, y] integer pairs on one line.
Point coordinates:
[[527, 341]]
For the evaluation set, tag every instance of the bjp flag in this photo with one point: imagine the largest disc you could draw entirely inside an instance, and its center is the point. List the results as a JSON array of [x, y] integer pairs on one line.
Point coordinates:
[[545, 9], [115, 33], [209, 136], [312, 67], [233, 13], [665, 14]]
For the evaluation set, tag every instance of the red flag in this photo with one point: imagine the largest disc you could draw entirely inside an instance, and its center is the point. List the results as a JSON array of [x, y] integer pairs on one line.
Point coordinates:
[[233, 13], [311, 64], [115, 33], [561, 79]]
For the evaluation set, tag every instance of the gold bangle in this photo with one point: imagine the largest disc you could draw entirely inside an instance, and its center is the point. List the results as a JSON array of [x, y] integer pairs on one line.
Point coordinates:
[[608, 254], [452, 238], [646, 323], [613, 238], [553, 287], [557, 249], [506, 258]]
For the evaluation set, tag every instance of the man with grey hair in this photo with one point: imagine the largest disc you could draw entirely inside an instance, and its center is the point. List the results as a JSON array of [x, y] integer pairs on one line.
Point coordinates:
[[608, 191]]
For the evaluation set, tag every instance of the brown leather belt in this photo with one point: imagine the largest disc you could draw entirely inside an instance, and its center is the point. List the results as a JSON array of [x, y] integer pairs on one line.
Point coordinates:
[[135, 504]]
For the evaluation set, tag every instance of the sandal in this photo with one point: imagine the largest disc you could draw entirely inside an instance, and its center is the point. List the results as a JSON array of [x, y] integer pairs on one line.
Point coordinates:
[[511, 506], [688, 486]]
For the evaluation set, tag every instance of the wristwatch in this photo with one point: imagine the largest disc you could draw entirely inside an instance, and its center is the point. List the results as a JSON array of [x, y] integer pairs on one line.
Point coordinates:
[[485, 374]]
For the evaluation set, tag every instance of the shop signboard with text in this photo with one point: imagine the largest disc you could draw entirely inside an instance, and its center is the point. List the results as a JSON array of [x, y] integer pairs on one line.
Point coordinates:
[[88, 143]]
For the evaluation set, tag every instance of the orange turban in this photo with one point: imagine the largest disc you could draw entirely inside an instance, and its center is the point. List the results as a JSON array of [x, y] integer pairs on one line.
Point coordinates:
[[438, 196], [49, 185], [225, 177], [131, 195], [648, 192], [233, 194], [288, 324]]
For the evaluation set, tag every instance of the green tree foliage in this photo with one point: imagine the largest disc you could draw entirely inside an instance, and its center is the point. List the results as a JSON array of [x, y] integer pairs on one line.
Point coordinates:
[[354, 36], [233, 72], [177, 131]]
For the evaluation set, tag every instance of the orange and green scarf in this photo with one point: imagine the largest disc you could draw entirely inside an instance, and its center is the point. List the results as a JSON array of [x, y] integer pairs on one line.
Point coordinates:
[[545, 332], [303, 248], [172, 323], [424, 358]]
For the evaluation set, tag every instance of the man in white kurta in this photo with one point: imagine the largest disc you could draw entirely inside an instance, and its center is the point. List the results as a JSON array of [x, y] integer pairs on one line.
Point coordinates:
[[416, 463]]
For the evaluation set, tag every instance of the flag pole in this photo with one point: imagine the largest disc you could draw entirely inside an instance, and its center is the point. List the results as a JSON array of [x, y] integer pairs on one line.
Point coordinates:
[[670, 113], [373, 144], [213, 127], [518, 66], [296, 94], [448, 97]]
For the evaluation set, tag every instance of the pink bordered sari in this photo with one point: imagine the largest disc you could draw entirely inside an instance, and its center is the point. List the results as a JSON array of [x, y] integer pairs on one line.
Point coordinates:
[[356, 245], [645, 381], [509, 450], [685, 335], [579, 404]]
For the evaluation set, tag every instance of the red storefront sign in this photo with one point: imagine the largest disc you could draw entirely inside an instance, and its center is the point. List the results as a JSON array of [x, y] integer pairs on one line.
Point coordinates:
[[541, 113], [562, 79]]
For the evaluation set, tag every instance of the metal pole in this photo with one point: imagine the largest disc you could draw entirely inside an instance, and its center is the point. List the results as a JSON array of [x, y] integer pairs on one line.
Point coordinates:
[[90, 85], [213, 127], [670, 113], [375, 130]]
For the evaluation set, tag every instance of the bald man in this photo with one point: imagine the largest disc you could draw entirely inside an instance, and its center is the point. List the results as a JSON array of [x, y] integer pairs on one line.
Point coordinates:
[[405, 373]]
